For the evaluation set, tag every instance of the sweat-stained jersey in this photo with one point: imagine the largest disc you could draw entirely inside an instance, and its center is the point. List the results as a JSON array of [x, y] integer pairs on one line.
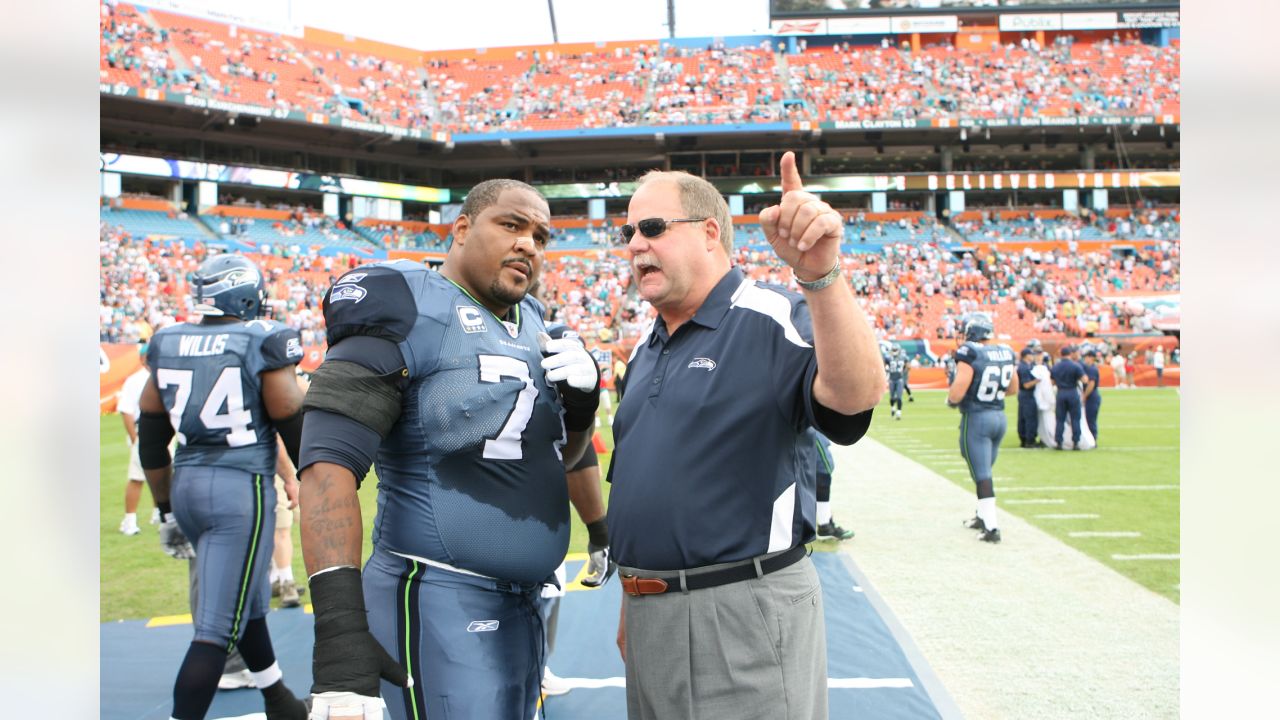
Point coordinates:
[[993, 367], [208, 379], [471, 474]]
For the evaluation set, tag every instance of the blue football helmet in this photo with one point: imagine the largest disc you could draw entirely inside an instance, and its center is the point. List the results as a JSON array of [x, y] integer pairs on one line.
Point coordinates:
[[228, 285], [978, 326]]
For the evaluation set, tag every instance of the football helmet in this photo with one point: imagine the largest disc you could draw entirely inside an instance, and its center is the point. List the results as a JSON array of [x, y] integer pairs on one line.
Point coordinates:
[[228, 285], [978, 326]]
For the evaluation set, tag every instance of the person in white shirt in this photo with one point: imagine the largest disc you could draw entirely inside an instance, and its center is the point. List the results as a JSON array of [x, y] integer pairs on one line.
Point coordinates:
[[1046, 401], [127, 406], [1117, 368], [1157, 362]]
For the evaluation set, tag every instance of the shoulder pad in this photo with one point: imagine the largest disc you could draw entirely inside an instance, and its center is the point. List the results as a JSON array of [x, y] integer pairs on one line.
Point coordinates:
[[533, 306], [283, 346], [560, 330], [370, 300]]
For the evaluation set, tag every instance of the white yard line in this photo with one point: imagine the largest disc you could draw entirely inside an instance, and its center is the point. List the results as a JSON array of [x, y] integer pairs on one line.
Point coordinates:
[[1022, 648], [1090, 488]]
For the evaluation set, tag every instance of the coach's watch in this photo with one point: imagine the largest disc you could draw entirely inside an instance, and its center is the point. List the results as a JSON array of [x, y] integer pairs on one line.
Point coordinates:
[[823, 281]]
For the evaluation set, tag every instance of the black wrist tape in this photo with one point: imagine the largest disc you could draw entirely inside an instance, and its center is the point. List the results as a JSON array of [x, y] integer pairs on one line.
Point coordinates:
[[598, 533]]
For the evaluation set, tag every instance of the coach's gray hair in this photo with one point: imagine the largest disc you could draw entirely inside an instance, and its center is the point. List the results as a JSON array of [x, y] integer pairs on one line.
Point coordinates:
[[698, 198], [487, 192]]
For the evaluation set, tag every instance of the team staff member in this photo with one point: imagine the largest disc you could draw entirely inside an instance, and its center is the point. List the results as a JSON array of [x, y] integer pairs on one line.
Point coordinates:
[[450, 380], [710, 489], [983, 372], [127, 406], [226, 387], [1066, 374], [1092, 395], [1027, 416]]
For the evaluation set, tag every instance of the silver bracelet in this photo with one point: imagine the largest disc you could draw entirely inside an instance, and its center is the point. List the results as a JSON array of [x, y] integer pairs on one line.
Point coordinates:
[[823, 281]]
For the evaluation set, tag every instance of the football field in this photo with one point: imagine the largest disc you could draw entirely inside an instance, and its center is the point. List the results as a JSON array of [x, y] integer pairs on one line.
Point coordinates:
[[1118, 503]]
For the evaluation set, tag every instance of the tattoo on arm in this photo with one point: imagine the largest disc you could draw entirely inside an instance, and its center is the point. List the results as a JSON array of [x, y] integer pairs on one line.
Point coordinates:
[[331, 521]]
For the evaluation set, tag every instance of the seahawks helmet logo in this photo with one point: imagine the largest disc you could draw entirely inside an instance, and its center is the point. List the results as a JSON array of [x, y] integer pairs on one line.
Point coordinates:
[[705, 363]]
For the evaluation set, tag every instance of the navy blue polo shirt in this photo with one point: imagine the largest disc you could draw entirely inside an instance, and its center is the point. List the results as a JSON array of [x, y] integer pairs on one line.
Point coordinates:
[[1024, 377], [1066, 374], [708, 465], [1091, 372]]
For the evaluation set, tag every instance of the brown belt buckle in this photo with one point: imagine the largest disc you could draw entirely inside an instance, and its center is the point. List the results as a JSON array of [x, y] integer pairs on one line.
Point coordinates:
[[637, 586]]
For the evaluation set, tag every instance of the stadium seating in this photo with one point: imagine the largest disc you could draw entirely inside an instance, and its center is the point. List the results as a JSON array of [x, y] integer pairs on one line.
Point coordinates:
[[152, 223], [641, 85]]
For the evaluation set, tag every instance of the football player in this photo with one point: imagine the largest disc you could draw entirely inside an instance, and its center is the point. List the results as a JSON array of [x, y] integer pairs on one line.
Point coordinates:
[[824, 466], [449, 380], [896, 367], [983, 373], [226, 387]]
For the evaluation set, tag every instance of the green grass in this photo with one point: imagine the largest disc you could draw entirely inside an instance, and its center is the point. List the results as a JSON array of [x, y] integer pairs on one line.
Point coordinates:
[[139, 581], [1140, 446]]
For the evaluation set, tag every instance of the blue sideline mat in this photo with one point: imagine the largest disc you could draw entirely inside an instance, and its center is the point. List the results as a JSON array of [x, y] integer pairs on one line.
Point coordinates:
[[873, 667]]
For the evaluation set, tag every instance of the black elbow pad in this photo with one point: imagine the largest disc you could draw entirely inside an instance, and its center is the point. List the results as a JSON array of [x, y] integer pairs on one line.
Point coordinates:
[[154, 434]]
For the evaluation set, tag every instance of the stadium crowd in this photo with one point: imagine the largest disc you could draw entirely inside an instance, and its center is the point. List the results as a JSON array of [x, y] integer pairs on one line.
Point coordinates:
[[911, 290], [644, 84]]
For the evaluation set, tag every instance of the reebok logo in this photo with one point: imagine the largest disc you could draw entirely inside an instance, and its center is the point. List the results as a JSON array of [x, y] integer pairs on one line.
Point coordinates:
[[482, 626], [705, 363]]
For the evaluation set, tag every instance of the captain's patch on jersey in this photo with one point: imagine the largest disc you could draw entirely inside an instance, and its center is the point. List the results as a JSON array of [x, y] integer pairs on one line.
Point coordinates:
[[471, 318]]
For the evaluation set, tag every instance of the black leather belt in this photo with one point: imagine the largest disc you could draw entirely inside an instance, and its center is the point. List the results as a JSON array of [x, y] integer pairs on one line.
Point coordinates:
[[747, 569]]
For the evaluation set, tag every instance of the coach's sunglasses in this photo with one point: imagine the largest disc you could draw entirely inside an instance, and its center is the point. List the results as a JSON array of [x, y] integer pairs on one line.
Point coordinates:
[[651, 227]]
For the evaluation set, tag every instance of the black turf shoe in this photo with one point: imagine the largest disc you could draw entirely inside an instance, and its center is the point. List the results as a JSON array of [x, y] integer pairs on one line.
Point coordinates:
[[975, 523], [833, 531], [991, 536]]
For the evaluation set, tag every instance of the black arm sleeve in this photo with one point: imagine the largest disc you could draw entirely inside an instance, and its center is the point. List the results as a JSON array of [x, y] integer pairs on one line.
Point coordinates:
[[290, 430], [333, 438], [154, 434]]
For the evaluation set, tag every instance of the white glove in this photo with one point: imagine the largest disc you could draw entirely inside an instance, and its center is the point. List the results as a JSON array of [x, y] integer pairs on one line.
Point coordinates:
[[600, 566], [173, 542], [345, 706], [568, 360]]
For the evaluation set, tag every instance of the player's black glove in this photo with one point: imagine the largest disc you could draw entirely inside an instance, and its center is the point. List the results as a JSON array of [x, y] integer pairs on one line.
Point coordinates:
[[600, 564], [172, 540], [576, 375], [347, 658]]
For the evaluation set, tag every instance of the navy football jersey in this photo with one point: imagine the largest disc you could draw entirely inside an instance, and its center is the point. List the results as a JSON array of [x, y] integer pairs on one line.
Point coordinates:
[[993, 367], [896, 366], [208, 376], [471, 474]]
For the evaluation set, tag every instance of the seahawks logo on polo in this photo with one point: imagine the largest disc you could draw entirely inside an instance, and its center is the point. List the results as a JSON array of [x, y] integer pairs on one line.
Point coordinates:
[[482, 626], [704, 363]]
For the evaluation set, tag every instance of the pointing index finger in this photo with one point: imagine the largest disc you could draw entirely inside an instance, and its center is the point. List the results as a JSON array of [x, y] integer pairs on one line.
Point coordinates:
[[790, 175]]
